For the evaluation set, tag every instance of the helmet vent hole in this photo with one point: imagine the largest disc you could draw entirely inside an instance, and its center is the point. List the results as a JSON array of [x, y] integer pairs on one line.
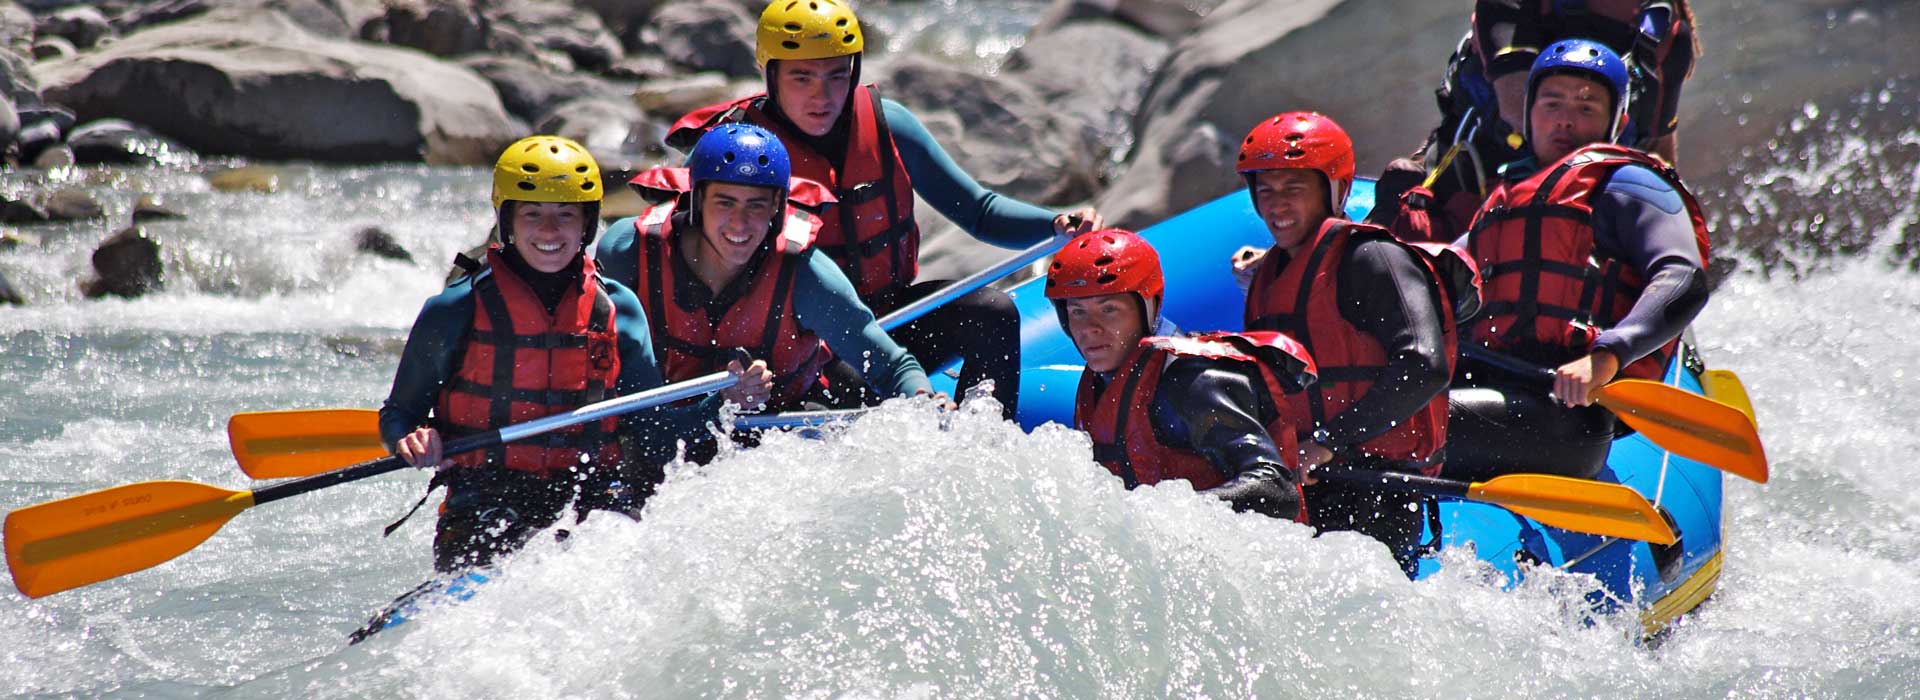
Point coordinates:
[[530, 167], [763, 161], [525, 186], [586, 186], [790, 45], [1106, 278], [841, 23], [1103, 261], [1056, 265], [813, 6], [554, 150], [727, 157], [794, 27], [580, 169], [848, 39], [1296, 153]]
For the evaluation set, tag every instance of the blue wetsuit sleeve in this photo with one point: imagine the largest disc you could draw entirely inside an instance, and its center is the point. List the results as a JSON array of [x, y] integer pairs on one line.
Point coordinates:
[[988, 216], [653, 433], [825, 303], [1640, 219], [614, 253], [427, 361]]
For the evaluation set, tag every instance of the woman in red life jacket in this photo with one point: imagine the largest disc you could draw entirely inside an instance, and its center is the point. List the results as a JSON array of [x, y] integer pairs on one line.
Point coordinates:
[[1377, 315], [727, 261], [532, 332], [1594, 263], [1483, 98], [1207, 409], [875, 156]]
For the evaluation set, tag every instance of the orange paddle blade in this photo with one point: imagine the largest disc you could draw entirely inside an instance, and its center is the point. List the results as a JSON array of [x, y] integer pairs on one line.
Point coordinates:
[[282, 444], [1691, 425], [1577, 504], [93, 537]]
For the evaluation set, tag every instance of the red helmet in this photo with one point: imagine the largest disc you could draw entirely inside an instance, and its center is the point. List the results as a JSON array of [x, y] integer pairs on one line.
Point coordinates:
[[1304, 140], [1108, 261]]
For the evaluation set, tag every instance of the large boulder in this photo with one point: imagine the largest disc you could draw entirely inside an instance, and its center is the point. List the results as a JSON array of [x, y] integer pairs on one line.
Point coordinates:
[[622, 139], [1250, 59], [250, 82], [528, 90], [16, 28], [1167, 19], [622, 17], [438, 27], [704, 36], [126, 265], [1055, 62], [322, 17], [558, 26], [84, 25], [998, 129]]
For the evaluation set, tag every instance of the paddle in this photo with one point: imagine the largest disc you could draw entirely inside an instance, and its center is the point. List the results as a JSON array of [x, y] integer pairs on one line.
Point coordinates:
[[85, 539], [1690, 425], [1593, 507], [285, 444]]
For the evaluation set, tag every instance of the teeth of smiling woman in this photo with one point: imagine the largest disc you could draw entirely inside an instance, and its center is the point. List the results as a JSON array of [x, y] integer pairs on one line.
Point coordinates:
[[549, 247]]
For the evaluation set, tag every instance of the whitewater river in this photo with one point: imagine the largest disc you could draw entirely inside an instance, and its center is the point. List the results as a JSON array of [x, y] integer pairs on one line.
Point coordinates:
[[897, 559]]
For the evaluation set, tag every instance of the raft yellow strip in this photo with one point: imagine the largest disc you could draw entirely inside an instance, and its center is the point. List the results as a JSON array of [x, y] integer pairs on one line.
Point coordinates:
[[1684, 598]]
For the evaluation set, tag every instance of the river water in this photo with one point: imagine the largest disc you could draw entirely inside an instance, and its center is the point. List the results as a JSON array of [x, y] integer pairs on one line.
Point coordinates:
[[907, 557]]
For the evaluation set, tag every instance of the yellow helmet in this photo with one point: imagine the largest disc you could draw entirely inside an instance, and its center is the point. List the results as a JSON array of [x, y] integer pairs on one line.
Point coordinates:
[[545, 169], [798, 30]]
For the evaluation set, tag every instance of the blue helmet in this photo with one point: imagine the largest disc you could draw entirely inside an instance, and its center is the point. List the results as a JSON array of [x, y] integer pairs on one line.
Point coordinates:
[[741, 154], [1592, 59]]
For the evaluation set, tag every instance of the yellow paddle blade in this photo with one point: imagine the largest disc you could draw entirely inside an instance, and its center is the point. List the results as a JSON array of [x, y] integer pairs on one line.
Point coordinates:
[[1691, 425], [93, 537], [1577, 504], [1725, 387], [282, 444]]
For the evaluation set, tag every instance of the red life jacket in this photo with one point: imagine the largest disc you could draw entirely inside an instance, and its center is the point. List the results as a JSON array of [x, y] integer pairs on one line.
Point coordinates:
[[872, 234], [521, 363], [754, 311], [1117, 416], [1549, 291], [1302, 300]]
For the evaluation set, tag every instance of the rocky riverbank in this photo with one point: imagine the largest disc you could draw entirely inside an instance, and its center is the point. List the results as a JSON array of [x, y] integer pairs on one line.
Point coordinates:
[[1136, 105]]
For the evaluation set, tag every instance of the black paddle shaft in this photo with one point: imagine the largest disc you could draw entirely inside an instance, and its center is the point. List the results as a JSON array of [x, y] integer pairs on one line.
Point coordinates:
[[1398, 481], [374, 467]]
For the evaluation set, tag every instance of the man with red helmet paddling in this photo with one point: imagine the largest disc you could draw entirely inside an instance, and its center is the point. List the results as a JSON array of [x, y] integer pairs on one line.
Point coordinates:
[[1376, 314], [1209, 409], [1594, 258], [875, 156]]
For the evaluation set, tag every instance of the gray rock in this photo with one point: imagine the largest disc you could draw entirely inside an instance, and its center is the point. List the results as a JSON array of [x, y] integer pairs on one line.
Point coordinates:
[[9, 295], [558, 26], [438, 27], [55, 156], [250, 82], [381, 244], [51, 47], [84, 25], [641, 68], [1249, 60], [622, 17], [9, 122], [1055, 62], [1168, 19], [21, 211], [1003, 133], [529, 90], [260, 179], [120, 142], [16, 79], [679, 95], [16, 28], [148, 208], [621, 138], [703, 36], [126, 265], [322, 17], [72, 205]]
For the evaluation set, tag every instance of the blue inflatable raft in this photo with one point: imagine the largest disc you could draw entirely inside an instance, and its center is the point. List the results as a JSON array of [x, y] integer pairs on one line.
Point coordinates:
[[1659, 582]]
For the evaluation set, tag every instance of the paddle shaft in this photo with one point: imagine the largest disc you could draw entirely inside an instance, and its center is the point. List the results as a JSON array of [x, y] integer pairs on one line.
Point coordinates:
[[480, 441], [966, 285], [1508, 363], [1399, 481], [796, 419]]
